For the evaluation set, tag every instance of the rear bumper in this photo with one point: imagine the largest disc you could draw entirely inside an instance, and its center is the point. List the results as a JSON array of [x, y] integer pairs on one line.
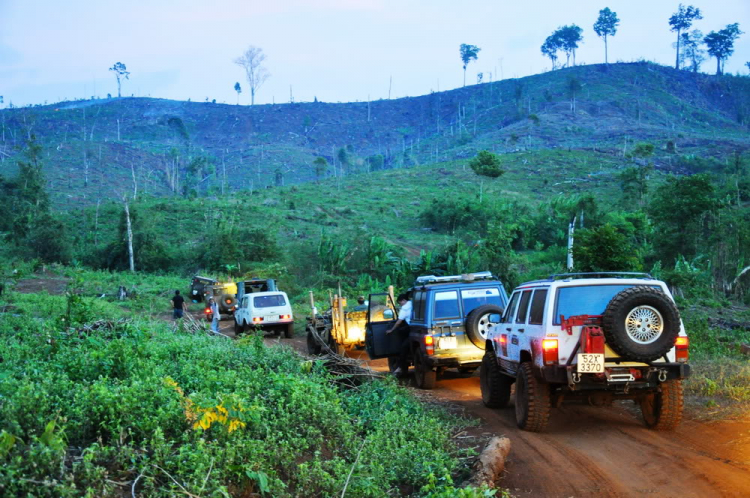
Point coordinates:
[[650, 376], [465, 360]]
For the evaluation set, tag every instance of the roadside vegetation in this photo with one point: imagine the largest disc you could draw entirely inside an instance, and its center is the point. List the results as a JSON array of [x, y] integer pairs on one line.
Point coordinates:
[[98, 401]]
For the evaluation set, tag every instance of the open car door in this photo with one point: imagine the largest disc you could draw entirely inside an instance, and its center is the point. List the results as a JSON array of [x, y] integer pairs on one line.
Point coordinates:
[[381, 316]]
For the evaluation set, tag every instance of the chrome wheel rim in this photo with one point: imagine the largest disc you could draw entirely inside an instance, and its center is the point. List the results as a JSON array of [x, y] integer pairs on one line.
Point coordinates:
[[644, 324], [483, 326]]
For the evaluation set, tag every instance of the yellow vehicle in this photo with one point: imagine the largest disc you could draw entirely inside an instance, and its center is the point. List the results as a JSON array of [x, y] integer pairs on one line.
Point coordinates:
[[338, 328], [225, 295]]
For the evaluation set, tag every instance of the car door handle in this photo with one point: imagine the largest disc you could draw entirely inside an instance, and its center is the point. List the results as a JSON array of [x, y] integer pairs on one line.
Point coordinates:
[[521, 330], [508, 329]]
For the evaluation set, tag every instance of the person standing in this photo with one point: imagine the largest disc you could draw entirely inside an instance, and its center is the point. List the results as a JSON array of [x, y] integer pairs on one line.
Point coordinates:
[[214, 314], [402, 328], [178, 305]]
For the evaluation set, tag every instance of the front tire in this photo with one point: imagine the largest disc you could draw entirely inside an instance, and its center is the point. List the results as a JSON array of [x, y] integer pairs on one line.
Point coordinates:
[[532, 400], [494, 385], [237, 328], [425, 376], [662, 410]]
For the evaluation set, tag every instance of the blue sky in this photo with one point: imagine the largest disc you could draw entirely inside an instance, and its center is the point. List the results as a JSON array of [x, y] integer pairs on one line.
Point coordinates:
[[335, 50]]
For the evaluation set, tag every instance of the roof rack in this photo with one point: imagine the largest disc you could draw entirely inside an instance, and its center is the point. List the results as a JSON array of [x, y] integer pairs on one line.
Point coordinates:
[[601, 274], [466, 277]]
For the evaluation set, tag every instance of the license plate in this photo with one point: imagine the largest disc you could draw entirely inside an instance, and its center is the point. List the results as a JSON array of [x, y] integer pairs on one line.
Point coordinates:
[[447, 343], [590, 363]]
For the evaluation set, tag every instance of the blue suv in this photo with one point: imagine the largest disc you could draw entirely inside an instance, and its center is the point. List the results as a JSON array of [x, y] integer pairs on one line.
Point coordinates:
[[451, 316]]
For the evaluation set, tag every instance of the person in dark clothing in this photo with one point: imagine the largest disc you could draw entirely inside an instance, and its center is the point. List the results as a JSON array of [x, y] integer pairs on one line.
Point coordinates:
[[402, 328], [178, 305]]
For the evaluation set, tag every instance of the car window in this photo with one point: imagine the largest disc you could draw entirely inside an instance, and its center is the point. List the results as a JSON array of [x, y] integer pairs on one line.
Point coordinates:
[[536, 315], [523, 307], [507, 318], [473, 298], [446, 304], [245, 302], [418, 304], [269, 301], [586, 299]]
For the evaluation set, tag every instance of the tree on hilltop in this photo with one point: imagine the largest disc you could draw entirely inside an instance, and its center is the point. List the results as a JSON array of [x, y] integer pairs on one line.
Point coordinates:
[[238, 89], [692, 53], [606, 25], [680, 21], [549, 49], [565, 38], [120, 72], [252, 62], [468, 54], [721, 44]]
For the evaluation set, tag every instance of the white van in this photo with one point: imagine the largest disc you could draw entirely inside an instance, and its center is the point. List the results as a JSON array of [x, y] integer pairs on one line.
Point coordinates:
[[269, 311]]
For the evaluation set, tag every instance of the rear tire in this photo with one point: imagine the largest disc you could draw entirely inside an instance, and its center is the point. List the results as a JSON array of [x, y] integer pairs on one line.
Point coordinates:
[[532, 400], [289, 332], [425, 377], [494, 385], [662, 410]]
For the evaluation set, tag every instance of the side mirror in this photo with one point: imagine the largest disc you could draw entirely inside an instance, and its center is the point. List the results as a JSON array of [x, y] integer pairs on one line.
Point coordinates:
[[388, 314], [495, 318]]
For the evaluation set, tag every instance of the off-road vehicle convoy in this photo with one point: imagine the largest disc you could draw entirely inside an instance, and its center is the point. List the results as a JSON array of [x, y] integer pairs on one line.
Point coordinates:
[[590, 337], [268, 311], [449, 323]]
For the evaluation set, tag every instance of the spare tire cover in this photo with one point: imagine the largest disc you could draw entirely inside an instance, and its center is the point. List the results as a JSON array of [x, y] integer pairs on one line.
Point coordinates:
[[478, 323], [641, 323]]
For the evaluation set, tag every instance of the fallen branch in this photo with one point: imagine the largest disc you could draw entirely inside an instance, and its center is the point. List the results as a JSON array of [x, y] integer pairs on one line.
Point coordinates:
[[491, 462]]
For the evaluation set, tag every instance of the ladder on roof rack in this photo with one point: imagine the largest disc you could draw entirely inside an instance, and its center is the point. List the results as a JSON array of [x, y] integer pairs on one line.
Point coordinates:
[[602, 274], [466, 277]]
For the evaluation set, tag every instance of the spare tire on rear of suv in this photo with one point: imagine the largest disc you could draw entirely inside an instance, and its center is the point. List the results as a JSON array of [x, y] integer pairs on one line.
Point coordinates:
[[478, 323], [641, 323]]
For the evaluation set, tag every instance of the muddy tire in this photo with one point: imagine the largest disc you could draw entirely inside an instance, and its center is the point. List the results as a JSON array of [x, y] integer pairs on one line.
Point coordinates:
[[289, 332], [478, 323], [424, 376], [532, 400], [641, 323], [662, 411], [237, 328], [494, 385], [313, 347]]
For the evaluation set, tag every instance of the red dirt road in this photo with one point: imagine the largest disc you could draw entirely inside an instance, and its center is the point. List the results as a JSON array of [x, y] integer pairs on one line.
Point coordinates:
[[603, 452]]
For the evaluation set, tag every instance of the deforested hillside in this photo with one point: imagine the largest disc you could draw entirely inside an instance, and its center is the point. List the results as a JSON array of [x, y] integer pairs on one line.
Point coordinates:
[[96, 149]]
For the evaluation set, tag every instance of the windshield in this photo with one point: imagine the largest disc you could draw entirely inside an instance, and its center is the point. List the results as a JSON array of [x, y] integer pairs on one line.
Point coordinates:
[[269, 301], [586, 299]]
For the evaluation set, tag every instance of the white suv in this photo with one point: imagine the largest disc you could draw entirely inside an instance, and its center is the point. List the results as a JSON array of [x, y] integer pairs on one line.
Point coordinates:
[[591, 337], [265, 311]]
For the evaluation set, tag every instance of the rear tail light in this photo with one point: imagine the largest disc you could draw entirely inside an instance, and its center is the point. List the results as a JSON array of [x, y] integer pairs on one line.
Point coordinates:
[[681, 346], [257, 319], [429, 343], [207, 311], [549, 351], [285, 317], [504, 344]]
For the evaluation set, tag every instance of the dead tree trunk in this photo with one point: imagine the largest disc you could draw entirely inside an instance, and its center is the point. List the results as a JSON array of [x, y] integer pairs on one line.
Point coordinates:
[[130, 235]]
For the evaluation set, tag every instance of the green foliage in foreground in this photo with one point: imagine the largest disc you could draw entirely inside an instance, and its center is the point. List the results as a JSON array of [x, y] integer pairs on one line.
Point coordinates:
[[88, 413]]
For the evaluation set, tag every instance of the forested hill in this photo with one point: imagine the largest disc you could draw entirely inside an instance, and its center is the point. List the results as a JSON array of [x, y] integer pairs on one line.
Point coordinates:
[[94, 149]]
